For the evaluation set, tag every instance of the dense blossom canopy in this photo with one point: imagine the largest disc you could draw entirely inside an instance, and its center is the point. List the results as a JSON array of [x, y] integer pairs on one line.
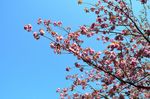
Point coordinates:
[[122, 69]]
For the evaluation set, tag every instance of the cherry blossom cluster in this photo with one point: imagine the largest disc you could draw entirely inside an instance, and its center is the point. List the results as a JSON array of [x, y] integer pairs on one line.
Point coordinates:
[[120, 70]]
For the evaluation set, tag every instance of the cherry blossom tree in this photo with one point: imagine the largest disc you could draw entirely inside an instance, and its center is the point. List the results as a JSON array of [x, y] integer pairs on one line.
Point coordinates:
[[122, 69]]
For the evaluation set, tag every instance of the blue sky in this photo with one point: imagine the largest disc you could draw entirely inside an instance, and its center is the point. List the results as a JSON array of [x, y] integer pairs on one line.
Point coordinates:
[[28, 68]]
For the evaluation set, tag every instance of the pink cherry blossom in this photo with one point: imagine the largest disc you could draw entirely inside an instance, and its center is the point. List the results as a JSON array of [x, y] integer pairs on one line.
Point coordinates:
[[117, 66]]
